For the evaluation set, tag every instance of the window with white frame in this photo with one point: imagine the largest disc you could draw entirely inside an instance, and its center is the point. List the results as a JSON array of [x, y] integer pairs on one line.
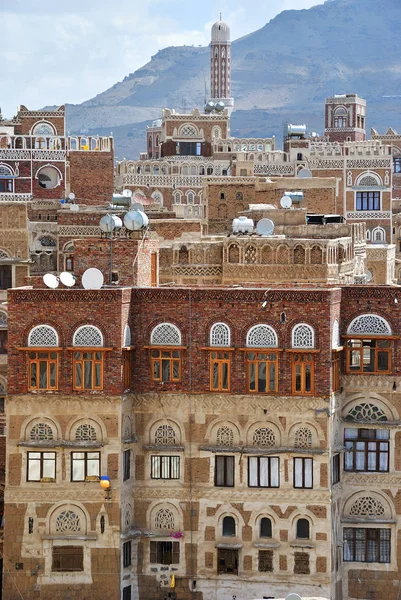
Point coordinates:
[[42, 336], [261, 336], [263, 471], [378, 234], [220, 335], [165, 334], [303, 336]]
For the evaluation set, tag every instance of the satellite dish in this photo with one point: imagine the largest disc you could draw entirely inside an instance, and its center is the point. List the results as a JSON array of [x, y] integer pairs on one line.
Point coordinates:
[[369, 276], [50, 280], [67, 279], [209, 107], [135, 220], [303, 173], [293, 597], [74, 207], [138, 206], [127, 193], [265, 227], [92, 279], [71, 196], [220, 106], [286, 202]]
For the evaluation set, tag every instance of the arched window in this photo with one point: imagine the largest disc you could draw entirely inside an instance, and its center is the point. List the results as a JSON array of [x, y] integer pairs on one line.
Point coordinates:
[[190, 197], [157, 198], [85, 432], [68, 522], [164, 519], [48, 177], [220, 335], [378, 234], [183, 255], [3, 320], [165, 436], [335, 335], [316, 255], [303, 336], [233, 254], [177, 197], [188, 131], [366, 411], [261, 336], [127, 336], [42, 336], [303, 528], [229, 527], [225, 436], [250, 254], [264, 437], [366, 506], [88, 335], [303, 438], [299, 255], [43, 129], [369, 324], [239, 196], [165, 334], [41, 432], [265, 527], [6, 179]]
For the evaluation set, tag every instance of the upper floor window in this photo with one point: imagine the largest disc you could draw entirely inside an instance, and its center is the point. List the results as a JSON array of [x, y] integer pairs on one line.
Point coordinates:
[[303, 473], [41, 432], [367, 200], [303, 373], [303, 532], [43, 336], [48, 177], [43, 364], [220, 369], [229, 527], [263, 471], [367, 545], [165, 334], [265, 527], [88, 364], [165, 436], [261, 336], [303, 336], [220, 335], [370, 350], [165, 362], [41, 466], [43, 128], [85, 466], [165, 467], [224, 471], [366, 449]]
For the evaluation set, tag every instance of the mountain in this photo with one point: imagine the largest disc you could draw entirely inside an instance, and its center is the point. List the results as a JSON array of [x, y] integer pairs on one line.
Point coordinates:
[[281, 72]]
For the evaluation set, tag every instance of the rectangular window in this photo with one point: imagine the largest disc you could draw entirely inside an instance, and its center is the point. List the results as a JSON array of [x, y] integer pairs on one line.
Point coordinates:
[[367, 545], [220, 365], [88, 370], [303, 473], [227, 561], [43, 370], [5, 277], [127, 593], [335, 469], [262, 372], [303, 375], [127, 369], [335, 371], [265, 561], [301, 563], [165, 553], [369, 356], [85, 465], [3, 341], [263, 471], [224, 471], [166, 365], [165, 467], [366, 449], [368, 201], [41, 466], [126, 465], [68, 558], [127, 554]]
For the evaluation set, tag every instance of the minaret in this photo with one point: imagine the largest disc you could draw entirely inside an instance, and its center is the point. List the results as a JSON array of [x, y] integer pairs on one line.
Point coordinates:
[[220, 65]]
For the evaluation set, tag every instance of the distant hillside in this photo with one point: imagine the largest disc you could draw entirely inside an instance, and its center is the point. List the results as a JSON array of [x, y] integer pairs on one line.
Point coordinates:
[[281, 72]]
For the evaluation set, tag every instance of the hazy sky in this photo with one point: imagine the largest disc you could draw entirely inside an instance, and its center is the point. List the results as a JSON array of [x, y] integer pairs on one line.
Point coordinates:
[[52, 52]]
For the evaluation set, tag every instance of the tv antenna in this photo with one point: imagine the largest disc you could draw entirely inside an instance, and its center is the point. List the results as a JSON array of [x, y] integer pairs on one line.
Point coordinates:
[[92, 279], [51, 281]]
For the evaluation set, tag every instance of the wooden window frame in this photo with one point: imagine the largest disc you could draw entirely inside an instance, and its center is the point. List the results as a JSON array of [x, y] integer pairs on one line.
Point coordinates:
[[156, 471], [36, 360], [220, 361], [376, 351], [85, 460], [295, 361], [268, 362], [159, 359], [94, 361], [303, 462], [371, 535], [301, 559], [221, 554], [159, 550], [270, 461], [359, 444], [41, 458], [226, 460], [61, 553], [127, 357]]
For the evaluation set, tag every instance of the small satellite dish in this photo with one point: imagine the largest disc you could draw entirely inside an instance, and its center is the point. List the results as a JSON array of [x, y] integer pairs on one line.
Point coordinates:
[[74, 207], [265, 227], [92, 279], [286, 202], [135, 220], [293, 597], [138, 206], [67, 279], [138, 197], [71, 196], [127, 193], [50, 280], [303, 173], [369, 276]]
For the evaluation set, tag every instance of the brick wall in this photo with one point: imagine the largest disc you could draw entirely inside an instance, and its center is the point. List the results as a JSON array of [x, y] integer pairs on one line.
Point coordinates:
[[91, 176]]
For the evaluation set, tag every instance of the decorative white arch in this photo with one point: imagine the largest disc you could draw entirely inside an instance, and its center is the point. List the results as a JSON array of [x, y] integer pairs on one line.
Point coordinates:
[[368, 179], [303, 336], [369, 324], [43, 335], [220, 335], [165, 334], [261, 336], [87, 335]]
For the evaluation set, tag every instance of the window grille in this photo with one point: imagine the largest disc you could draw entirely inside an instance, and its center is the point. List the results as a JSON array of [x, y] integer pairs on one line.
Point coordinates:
[[265, 561], [303, 336], [301, 563], [369, 324], [261, 336], [157, 197], [264, 437], [89, 336], [164, 519], [250, 255], [85, 432], [165, 334], [41, 432], [68, 522], [48, 242], [225, 436], [43, 335], [43, 129], [220, 335], [368, 181], [188, 131], [127, 336], [366, 412], [5, 171], [165, 436], [367, 507], [303, 438]]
